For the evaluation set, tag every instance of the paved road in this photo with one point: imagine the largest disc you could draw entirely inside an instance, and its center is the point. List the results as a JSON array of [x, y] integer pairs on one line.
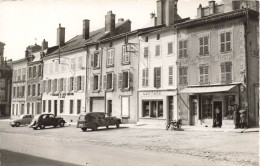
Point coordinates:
[[132, 147]]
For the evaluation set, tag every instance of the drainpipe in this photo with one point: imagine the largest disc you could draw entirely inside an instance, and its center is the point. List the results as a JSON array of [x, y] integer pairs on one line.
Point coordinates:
[[86, 84]]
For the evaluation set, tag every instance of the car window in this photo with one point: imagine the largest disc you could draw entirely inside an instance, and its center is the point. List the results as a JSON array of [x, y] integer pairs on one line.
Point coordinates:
[[45, 116], [51, 116], [24, 117]]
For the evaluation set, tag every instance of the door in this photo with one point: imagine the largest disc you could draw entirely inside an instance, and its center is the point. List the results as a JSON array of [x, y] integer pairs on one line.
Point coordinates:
[[194, 112], [170, 108], [217, 113], [55, 108], [109, 107]]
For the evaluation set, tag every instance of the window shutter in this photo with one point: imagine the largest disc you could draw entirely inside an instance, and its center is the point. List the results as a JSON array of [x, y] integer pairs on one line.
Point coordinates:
[[92, 60], [105, 82], [92, 82], [201, 45], [82, 83], [41, 86], [58, 85], [206, 45], [52, 86], [68, 89], [114, 82], [130, 79], [145, 52], [154, 80], [112, 56], [75, 84], [228, 72], [99, 82], [147, 77], [223, 73], [143, 79], [170, 75], [120, 79], [170, 48], [222, 42], [64, 84], [159, 77]]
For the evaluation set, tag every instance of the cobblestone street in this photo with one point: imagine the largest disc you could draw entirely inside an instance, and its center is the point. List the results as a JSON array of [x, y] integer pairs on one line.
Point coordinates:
[[201, 148]]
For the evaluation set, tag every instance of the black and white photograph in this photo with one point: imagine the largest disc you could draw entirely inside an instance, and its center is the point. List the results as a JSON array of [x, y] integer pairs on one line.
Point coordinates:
[[129, 82]]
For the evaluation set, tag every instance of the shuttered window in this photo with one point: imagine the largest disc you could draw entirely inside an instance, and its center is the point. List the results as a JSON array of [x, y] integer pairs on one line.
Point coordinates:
[[157, 77], [96, 82], [157, 50], [124, 80], [204, 74], [39, 90], [39, 70], [34, 71], [170, 48], [226, 72], [71, 83], [23, 73], [29, 90], [110, 57], [145, 77], [225, 42], [183, 49], [79, 83], [126, 54], [170, 75], [95, 60], [146, 52], [108, 81], [183, 75], [204, 45], [72, 64], [30, 72]]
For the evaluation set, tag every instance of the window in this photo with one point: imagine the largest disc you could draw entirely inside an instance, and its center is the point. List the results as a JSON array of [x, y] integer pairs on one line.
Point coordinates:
[[19, 74], [157, 50], [39, 90], [204, 74], [96, 82], [72, 64], [226, 72], [183, 49], [145, 77], [43, 105], [57, 66], [23, 91], [95, 60], [33, 89], [108, 81], [18, 92], [2, 95], [153, 109], [39, 70], [157, 77], [61, 106], [110, 57], [126, 54], [71, 106], [14, 91], [206, 102], [54, 85], [49, 85], [23, 73], [80, 62], [71, 83], [225, 42], [2, 83], [29, 90], [79, 82], [170, 75], [28, 108], [158, 37], [146, 52], [49, 105], [61, 83], [78, 106], [38, 109], [183, 75], [125, 82], [204, 45], [34, 71], [146, 39], [170, 48], [14, 75]]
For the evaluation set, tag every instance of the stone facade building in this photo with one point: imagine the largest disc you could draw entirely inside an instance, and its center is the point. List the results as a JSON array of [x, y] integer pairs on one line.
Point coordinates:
[[218, 59], [5, 83]]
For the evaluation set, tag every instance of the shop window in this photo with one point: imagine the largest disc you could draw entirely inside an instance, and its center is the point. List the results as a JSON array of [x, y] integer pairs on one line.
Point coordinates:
[[183, 49], [204, 45], [157, 77], [230, 107], [204, 74], [153, 109], [207, 107], [110, 57], [226, 72], [183, 75], [225, 42]]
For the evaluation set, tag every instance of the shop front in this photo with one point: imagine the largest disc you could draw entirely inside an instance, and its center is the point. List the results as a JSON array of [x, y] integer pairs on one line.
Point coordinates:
[[157, 106], [213, 106]]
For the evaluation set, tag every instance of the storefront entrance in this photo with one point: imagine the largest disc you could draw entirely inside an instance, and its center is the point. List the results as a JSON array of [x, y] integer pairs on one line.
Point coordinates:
[[217, 114], [194, 112]]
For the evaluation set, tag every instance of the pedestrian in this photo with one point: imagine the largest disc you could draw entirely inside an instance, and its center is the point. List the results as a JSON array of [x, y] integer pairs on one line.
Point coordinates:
[[217, 112], [242, 118], [235, 116]]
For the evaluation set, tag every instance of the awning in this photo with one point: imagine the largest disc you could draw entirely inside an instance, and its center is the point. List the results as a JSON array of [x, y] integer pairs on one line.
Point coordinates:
[[208, 89]]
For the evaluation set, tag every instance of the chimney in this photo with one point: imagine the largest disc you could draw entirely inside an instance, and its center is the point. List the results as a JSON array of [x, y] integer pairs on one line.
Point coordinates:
[[110, 22], [211, 7], [26, 53], [60, 36], [200, 11], [44, 45], [85, 34], [166, 12], [120, 20]]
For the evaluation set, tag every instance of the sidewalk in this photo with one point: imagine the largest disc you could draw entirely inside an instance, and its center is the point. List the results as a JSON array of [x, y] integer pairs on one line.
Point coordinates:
[[192, 128]]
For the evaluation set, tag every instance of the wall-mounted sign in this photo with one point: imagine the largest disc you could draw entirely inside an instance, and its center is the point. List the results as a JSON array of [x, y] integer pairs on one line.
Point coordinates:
[[152, 93]]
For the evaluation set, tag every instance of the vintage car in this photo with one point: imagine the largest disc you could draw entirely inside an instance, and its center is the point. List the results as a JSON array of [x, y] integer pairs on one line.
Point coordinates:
[[21, 120], [93, 120], [47, 119]]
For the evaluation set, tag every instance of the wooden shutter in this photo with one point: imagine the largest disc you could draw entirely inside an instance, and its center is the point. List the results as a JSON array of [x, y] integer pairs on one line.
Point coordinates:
[[222, 42], [130, 79], [201, 74], [112, 56], [52, 86], [64, 84], [82, 83], [92, 60], [75, 84], [114, 82], [105, 82], [223, 73], [92, 82], [170, 48], [68, 89], [145, 52], [143, 79], [185, 78], [157, 77], [170, 75], [206, 72], [201, 46], [206, 45], [58, 85], [99, 82], [41, 87], [228, 72], [120, 80], [228, 41], [185, 45]]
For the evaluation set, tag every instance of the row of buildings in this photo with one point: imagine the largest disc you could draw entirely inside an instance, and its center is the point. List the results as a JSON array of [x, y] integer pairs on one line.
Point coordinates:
[[174, 68]]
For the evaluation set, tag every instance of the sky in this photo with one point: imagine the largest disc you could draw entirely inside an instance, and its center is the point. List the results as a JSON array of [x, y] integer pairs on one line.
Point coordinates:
[[26, 22]]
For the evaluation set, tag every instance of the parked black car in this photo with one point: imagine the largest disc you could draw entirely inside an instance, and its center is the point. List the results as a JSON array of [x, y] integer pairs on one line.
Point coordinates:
[[43, 120], [93, 120]]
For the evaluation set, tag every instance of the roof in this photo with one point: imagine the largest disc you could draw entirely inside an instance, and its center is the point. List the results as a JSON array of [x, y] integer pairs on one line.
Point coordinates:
[[217, 17], [78, 41], [19, 60], [208, 89]]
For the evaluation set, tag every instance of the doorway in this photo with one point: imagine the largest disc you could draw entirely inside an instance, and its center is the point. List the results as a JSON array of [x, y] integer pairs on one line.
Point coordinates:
[[109, 107], [55, 107], [217, 113], [194, 112]]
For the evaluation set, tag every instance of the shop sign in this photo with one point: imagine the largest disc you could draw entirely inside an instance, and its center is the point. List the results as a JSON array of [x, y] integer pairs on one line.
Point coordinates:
[[224, 57], [152, 93]]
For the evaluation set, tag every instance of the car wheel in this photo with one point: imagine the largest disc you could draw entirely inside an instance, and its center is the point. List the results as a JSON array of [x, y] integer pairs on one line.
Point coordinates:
[[55, 126], [13, 125], [42, 126], [61, 124], [94, 128], [84, 129], [17, 124], [34, 128], [117, 124]]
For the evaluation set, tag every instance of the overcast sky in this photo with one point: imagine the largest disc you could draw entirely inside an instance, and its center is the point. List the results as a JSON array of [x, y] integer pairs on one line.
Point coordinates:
[[21, 21]]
